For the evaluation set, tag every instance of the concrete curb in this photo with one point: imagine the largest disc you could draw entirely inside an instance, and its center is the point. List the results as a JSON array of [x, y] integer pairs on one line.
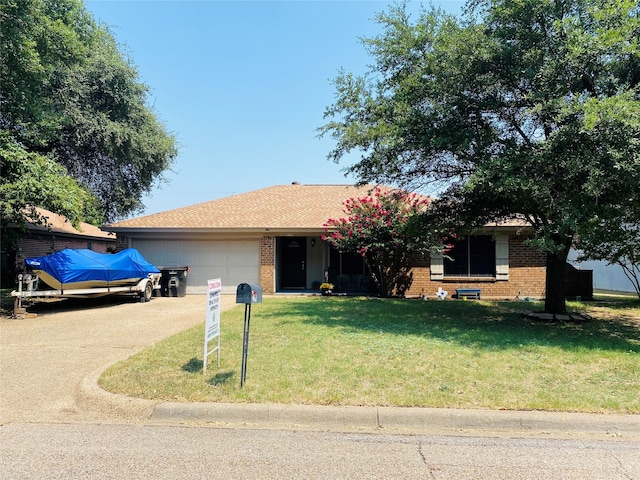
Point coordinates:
[[392, 420], [403, 420], [111, 406]]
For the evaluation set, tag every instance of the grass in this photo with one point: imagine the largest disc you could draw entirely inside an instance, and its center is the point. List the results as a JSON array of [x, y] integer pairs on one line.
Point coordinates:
[[358, 351], [6, 302]]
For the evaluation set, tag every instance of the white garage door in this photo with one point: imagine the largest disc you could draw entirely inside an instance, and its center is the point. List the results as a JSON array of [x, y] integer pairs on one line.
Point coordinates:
[[234, 262]]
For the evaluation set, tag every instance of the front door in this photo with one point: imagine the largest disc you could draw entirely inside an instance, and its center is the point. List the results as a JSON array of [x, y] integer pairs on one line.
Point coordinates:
[[292, 254]]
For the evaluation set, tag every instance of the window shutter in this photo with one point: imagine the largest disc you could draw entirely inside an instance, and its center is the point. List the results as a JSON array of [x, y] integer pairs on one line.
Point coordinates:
[[437, 267], [502, 257]]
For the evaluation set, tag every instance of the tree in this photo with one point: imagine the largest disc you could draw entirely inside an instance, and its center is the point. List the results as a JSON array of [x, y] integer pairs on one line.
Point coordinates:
[[31, 180], [380, 227], [527, 108], [68, 95]]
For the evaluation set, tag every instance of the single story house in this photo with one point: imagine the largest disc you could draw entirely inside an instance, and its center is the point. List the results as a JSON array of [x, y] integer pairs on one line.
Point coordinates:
[[273, 237], [40, 240]]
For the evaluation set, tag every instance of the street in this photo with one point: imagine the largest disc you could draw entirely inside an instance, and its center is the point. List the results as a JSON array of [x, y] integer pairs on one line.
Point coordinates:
[[86, 451]]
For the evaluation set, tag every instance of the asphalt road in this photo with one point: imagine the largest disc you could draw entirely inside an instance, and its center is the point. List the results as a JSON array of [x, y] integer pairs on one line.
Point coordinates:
[[88, 451], [49, 431]]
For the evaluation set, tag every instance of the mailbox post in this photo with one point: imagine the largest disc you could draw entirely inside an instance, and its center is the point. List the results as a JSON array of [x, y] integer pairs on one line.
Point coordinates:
[[247, 293]]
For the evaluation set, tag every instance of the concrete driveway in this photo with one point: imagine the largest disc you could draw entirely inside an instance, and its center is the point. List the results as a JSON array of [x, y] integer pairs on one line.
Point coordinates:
[[44, 360]]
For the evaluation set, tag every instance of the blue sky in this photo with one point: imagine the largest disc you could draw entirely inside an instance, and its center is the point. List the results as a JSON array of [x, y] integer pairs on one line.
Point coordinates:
[[243, 86]]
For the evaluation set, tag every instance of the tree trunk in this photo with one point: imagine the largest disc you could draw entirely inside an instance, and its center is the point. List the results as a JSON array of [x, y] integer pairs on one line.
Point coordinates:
[[556, 280]]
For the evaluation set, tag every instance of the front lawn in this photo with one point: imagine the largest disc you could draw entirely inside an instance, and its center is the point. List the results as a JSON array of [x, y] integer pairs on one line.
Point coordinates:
[[363, 351]]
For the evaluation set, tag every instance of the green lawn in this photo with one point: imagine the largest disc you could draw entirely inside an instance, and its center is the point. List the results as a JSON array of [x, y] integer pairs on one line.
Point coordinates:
[[362, 351]]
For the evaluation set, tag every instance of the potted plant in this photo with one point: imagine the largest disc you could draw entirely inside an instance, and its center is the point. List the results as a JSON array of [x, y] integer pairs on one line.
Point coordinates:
[[326, 288]]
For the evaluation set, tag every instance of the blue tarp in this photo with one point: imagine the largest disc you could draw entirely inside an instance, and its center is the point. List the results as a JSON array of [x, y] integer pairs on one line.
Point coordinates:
[[73, 266]]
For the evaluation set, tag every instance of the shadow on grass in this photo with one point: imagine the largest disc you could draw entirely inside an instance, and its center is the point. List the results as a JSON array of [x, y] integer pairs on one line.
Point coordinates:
[[222, 378], [619, 304], [193, 366], [486, 325]]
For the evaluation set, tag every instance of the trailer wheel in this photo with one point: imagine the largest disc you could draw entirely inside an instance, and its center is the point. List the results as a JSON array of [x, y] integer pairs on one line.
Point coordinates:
[[147, 292]]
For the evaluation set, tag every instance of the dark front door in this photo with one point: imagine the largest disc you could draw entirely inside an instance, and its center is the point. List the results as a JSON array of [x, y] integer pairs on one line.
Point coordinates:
[[292, 254]]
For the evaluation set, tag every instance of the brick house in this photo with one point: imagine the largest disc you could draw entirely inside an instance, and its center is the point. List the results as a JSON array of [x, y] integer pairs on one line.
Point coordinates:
[[42, 240], [272, 237]]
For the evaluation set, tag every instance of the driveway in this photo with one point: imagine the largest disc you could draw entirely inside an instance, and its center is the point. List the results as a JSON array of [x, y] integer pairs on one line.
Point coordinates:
[[44, 360]]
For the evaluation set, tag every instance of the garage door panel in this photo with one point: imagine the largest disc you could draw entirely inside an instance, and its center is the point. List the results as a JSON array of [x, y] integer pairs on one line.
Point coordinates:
[[232, 261]]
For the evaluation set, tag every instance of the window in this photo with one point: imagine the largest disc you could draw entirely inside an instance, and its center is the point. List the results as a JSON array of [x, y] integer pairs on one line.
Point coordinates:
[[349, 272], [346, 263], [472, 256]]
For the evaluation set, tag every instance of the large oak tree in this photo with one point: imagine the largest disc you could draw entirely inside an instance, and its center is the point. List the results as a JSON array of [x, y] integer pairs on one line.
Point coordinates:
[[74, 121], [528, 107]]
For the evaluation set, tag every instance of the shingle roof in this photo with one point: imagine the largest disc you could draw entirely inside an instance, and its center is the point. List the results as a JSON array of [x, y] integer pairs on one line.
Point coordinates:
[[292, 206], [281, 207], [61, 225]]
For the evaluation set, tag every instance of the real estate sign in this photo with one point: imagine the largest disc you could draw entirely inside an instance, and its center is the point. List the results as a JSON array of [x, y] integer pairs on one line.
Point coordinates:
[[212, 323]]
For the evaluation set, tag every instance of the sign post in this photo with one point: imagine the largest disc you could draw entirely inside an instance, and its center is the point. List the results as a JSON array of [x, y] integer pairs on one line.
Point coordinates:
[[212, 323], [247, 293], [245, 343]]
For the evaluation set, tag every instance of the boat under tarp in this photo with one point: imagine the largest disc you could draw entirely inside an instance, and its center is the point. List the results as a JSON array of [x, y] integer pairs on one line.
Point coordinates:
[[82, 269]]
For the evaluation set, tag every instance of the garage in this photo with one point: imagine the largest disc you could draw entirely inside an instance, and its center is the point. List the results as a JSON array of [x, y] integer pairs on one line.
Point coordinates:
[[233, 261]]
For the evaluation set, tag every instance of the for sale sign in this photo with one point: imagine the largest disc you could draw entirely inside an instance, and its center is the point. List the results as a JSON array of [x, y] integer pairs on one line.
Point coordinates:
[[212, 323]]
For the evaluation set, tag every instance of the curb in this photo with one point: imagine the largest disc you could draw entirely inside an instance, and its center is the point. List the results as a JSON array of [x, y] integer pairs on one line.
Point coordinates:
[[111, 406], [398, 420], [391, 420]]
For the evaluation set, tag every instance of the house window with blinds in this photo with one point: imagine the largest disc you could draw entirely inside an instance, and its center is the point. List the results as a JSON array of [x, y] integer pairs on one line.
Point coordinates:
[[474, 256]]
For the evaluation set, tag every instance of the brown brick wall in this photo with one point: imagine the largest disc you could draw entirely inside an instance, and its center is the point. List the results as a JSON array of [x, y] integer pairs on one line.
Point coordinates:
[[122, 243], [526, 272], [267, 264], [40, 245], [522, 255], [526, 276]]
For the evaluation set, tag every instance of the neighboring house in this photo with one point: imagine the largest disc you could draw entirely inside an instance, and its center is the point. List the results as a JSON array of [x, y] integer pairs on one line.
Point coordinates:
[[57, 235], [605, 276], [272, 237]]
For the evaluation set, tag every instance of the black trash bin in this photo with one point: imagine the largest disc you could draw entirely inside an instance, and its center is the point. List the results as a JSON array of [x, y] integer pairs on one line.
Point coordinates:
[[173, 282]]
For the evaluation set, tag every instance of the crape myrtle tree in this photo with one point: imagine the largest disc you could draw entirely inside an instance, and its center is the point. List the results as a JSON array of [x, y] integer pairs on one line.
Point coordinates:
[[528, 108], [381, 228], [76, 134]]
